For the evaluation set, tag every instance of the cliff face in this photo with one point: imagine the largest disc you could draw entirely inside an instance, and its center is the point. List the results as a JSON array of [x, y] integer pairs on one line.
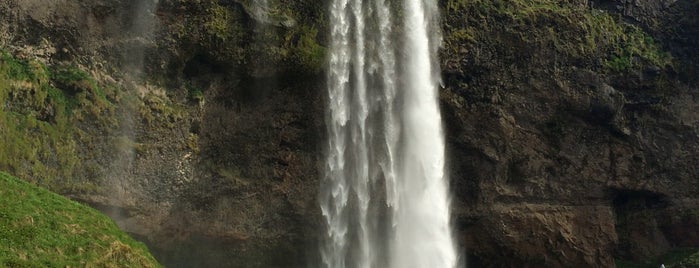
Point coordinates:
[[198, 134], [571, 129], [563, 152]]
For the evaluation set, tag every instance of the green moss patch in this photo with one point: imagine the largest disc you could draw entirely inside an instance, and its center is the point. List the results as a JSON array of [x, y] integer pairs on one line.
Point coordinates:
[[41, 109], [231, 37], [587, 36], [676, 258], [35, 139], [41, 229], [305, 51]]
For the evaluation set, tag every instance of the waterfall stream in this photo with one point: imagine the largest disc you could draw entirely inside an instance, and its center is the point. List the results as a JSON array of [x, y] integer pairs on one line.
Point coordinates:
[[139, 36], [385, 194], [141, 33]]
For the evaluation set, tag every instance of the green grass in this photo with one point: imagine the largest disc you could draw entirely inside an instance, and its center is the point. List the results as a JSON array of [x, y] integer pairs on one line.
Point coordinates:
[[676, 258], [39, 228], [689, 261]]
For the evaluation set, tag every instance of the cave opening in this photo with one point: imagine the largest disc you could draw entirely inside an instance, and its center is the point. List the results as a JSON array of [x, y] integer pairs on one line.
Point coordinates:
[[638, 223]]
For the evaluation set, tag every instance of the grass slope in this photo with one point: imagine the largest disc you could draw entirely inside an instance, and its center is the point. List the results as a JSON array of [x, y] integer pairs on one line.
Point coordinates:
[[39, 228]]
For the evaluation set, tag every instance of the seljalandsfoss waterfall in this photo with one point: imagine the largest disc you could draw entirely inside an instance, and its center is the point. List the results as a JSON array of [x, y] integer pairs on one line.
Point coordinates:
[[385, 195], [349, 133]]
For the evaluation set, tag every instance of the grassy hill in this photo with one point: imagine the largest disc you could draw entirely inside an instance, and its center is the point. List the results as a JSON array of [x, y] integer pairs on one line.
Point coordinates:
[[39, 228]]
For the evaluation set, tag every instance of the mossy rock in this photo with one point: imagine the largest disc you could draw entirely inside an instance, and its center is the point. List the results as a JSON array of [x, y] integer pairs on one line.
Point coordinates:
[[42, 111], [229, 38], [570, 30]]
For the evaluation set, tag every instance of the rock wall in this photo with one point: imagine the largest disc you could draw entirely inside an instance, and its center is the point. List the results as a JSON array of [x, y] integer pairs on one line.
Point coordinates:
[[212, 154], [560, 158], [571, 131]]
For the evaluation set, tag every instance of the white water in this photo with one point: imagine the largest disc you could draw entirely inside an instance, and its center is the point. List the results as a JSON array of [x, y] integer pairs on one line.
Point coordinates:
[[138, 35], [141, 32], [260, 9], [384, 195]]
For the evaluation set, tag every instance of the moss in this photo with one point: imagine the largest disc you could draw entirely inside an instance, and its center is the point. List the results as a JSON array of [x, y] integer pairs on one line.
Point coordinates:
[[689, 261], [195, 94], [16, 69], [35, 140], [634, 50], [42, 229], [193, 142], [676, 258], [73, 80], [84, 91], [217, 24], [158, 110], [227, 34], [40, 110], [124, 145], [305, 52], [587, 36]]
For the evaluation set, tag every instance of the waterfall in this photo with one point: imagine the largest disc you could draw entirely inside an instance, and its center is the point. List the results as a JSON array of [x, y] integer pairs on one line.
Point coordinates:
[[384, 194], [141, 32], [138, 36], [260, 10]]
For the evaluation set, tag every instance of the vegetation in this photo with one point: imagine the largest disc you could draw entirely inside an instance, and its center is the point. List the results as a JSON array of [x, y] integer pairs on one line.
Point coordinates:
[[229, 36], [689, 261], [41, 229], [589, 36], [677, 258], [40, 108], [157, 109], [195, 94], [35, 139], [306, 52], [218, 23]]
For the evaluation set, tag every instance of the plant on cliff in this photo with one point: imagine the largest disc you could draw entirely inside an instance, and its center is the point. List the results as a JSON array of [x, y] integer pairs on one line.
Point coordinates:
[[217, 24], [41, 229], [211, 27], [676, 258], [195, 94], [35, 140], [40, 110], [305, 51], [689, 261], [572, 29], [634, 49], [231, 37]]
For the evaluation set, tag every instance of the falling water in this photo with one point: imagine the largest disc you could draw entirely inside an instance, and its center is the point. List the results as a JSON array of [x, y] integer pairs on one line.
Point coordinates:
[[260, 10], [385, 194], [140, 33], [138, 37]]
